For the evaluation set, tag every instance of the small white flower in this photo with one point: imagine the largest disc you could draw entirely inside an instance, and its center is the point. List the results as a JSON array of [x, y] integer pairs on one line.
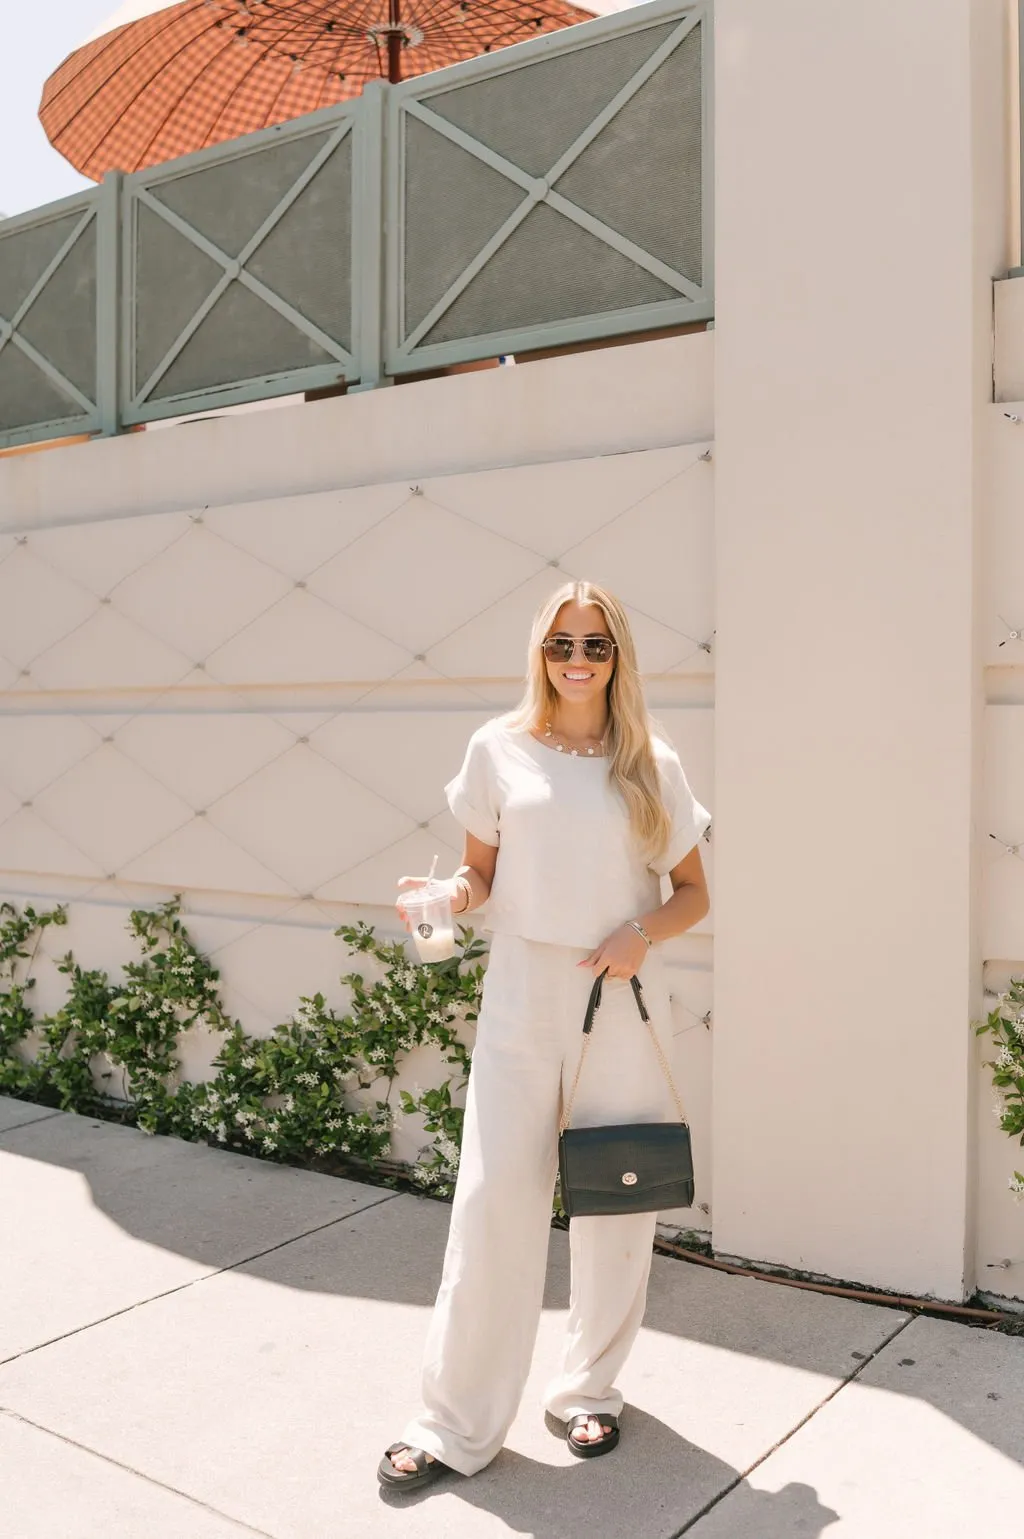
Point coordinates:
[[345, 1149], [1016, 1185]]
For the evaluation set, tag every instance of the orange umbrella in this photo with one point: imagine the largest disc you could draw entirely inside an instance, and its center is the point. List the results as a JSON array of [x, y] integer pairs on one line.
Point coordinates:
[[163, 80]]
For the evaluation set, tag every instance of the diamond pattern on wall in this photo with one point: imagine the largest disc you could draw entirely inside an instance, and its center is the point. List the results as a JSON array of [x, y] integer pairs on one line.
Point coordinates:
[[203, 756], [29, 843], [9, 804], [398, 754], [676, 516], [552, 508], [109, 650], [298, 534], [408, 576], [226, 590], [35, 750], [304, 640], [101, 554], [306, 820], [373, 880], [38, 606], [410, 603], [110, 808], [212, 859]]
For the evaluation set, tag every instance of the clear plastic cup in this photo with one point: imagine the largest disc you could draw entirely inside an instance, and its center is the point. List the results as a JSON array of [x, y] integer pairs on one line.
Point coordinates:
[[430, 918]]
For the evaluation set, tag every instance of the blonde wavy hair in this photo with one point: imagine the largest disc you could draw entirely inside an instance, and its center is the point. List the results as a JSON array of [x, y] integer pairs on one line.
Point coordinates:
[[632, 767]]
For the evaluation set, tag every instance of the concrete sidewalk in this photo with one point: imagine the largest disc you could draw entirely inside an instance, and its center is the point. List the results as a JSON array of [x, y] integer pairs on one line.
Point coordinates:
[[196, 1345]]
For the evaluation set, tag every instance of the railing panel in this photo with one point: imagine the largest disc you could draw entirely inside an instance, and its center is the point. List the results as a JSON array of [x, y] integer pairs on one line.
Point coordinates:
[[239, 270], [48, 321], [555, 192], [558, 193]]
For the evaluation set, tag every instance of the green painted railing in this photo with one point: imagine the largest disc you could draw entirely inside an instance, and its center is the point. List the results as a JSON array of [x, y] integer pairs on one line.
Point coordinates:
[[554, 192]]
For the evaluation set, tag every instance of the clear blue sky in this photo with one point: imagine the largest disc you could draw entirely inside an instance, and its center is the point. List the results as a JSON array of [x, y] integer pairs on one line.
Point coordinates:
[[38, 34]]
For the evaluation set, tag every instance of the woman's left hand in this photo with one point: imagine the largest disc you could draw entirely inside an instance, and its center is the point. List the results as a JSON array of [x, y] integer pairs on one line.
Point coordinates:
[[622, 953]]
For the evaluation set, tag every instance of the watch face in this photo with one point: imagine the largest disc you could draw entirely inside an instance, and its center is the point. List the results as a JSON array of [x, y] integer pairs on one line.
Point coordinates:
[[426, 930]]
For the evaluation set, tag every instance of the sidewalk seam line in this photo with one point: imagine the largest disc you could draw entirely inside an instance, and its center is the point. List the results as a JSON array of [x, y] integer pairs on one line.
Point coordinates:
[[48, 1114], [193, 1282], [131, 1470], [744, 1474]]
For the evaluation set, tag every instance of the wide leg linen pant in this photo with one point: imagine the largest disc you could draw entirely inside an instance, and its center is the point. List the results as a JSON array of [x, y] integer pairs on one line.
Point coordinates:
[[484, 1325]]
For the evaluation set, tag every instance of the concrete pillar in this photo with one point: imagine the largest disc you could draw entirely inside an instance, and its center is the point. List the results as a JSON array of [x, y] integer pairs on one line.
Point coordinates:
[[860, 215]]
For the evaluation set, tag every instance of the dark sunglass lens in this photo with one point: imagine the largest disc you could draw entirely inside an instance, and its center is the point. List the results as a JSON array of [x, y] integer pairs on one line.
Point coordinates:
[[558, 649], [597, 649]]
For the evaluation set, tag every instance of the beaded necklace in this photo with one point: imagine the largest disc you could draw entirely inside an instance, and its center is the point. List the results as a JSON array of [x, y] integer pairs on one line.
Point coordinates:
[[574, 753]]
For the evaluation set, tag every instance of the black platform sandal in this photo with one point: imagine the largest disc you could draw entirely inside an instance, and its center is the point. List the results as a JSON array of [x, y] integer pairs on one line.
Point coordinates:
[[426, 1469], [603, 1445]]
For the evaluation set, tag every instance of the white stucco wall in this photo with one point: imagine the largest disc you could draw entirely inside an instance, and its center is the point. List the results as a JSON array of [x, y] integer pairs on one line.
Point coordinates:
[[857, 232], [240, 658]]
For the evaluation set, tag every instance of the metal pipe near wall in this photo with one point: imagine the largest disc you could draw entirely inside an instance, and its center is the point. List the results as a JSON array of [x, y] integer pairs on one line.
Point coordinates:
[[862, 1295]]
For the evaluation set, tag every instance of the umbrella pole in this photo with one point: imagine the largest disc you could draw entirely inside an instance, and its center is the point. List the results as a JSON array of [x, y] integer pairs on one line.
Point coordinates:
[[395, 41]]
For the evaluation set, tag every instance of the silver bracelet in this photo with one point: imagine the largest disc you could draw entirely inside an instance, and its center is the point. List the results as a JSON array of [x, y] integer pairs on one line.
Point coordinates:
[[638, 927]]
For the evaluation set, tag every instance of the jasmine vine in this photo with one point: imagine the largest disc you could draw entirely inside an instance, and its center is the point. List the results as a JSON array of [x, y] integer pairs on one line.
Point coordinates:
[[308, 1093], [1005, 1024]]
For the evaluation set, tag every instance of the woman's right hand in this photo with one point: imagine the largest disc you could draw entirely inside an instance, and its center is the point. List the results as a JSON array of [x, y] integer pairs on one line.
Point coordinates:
[[409, 883], [406, 884]]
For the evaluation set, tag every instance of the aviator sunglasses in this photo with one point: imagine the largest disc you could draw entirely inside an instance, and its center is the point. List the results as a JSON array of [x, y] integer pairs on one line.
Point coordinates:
[[596, 649]]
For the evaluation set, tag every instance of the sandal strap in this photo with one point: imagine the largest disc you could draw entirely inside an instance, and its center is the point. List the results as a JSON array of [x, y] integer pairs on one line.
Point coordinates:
[[602, 1418], [417, 1455]]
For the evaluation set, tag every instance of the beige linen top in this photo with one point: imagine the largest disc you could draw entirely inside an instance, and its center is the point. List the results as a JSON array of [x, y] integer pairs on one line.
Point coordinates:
[[569, 869]]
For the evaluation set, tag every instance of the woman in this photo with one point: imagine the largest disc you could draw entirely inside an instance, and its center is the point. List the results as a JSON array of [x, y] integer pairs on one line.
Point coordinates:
[[572, 811]]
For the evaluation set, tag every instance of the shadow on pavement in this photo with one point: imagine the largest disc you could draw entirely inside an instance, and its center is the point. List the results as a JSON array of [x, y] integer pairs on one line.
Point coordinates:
[[649, 1476]]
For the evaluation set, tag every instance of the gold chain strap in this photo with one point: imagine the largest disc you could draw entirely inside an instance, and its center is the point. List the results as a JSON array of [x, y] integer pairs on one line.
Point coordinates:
[[563, 1121]]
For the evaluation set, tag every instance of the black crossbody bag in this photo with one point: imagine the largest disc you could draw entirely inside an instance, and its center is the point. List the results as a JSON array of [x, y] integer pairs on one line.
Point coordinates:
[[631, 1167]]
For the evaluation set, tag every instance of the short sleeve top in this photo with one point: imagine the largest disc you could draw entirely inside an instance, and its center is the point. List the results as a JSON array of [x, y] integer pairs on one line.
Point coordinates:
[[570, 869]]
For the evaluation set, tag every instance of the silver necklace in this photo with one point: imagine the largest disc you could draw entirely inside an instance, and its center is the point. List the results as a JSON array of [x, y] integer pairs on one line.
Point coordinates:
[[574, 753]]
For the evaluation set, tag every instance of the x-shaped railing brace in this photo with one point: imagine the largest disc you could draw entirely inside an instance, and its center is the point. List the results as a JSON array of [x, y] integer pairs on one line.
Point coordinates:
[[542, 190], [234, 267], [9, 328]]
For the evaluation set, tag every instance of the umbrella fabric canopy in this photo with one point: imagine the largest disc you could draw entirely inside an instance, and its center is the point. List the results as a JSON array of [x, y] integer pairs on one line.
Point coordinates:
[[161, 81]]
